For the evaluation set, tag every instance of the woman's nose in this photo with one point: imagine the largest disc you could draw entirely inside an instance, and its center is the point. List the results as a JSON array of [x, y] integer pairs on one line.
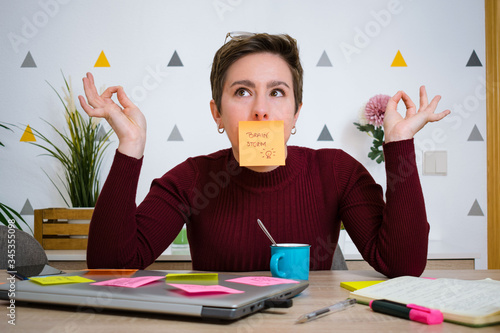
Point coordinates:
[[260, 110], [260, 115]]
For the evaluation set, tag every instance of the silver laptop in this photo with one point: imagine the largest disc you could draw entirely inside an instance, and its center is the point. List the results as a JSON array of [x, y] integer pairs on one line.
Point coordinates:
[[158, 296]]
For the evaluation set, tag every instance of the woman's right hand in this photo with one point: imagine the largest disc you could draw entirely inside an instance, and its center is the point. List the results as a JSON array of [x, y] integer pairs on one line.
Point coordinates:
[[126, 119]]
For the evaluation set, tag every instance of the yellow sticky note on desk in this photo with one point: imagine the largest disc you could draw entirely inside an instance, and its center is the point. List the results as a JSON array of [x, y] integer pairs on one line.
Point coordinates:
[[261, 143], [355, 285], [193, 277], [53, 280]]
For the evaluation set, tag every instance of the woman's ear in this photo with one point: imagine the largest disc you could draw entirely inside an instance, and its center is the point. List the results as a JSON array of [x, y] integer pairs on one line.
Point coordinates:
[[296, 115], [216, 114]]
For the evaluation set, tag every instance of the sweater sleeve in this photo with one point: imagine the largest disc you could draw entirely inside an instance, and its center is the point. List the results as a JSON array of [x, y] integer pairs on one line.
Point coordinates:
[[392, 236], [122, 235]]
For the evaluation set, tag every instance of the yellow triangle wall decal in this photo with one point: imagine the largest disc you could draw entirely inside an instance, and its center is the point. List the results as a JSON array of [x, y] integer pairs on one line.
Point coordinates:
[[102, 61], [398, 61], [28, 135]]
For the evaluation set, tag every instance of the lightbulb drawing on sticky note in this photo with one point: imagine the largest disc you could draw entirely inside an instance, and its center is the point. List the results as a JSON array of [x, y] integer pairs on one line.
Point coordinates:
[[261, 143], [268, 153]]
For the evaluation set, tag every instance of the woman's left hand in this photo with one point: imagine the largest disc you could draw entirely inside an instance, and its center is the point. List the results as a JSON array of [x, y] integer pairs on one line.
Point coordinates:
[[397, 128]]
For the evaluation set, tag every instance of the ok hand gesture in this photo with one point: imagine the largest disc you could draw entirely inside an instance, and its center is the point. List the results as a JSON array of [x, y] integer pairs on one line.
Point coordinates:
[[397, 128], [126, 119]]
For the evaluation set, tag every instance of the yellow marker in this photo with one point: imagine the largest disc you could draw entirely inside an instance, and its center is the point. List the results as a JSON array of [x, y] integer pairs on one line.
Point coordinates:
[[261, 143], [398, 61], [28, 135], [102, 61], [53, 280]]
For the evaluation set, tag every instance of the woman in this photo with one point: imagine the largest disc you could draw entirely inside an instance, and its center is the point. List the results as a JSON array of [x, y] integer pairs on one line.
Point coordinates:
[[258, 77]]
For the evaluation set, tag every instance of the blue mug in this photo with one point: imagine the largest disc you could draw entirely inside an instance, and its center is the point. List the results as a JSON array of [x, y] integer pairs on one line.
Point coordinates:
[[290, 261]]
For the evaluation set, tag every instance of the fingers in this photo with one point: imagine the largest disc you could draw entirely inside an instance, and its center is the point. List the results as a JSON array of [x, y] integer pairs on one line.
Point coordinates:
[[90, 77], [428, 109], [411, 109], [401, 95], [89, 88], [123, 98], [423, 97], [96, 105], [392, 104], [438, 116], [89, 110], [434, 102]]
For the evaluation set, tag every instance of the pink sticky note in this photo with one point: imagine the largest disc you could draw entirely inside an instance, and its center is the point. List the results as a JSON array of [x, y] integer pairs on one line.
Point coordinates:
[[195, 288], [261, 281], [129, 282]]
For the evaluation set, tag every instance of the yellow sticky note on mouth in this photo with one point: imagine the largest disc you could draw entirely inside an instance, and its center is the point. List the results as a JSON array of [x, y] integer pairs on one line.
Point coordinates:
[[262, 143]]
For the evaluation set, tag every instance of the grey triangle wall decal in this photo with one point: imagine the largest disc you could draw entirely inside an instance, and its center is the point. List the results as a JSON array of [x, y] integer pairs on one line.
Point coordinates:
[[474, 60], [28, 62], [175, 61], [324, 61], [475, 135], [175, 135], [325, 135], [476, 210], [27, 209]]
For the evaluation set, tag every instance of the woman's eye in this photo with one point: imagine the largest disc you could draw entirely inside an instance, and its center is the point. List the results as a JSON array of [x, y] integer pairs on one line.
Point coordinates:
[[242, 92], [277, 93]]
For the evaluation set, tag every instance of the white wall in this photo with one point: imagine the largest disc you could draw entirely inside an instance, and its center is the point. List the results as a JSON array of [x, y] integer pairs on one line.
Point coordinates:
[[360, 38]]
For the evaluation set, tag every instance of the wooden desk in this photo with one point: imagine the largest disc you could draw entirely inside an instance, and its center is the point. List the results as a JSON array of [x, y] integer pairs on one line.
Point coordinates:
[[181, 260], [324, 290]]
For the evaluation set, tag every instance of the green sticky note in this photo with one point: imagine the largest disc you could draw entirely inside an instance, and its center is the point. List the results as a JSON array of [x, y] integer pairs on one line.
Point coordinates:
[[193, 277], [53, 280]]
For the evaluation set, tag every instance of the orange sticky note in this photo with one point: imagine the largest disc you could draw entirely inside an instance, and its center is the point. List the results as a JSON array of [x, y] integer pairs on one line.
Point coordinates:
[[114, 272], [262, 143]]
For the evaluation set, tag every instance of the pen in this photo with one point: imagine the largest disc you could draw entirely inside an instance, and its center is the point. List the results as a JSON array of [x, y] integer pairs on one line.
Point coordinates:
[[408, 311], [329, 309]]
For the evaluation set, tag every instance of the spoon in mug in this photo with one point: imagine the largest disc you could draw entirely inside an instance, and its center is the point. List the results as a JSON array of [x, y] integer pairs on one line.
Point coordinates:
[[261, 225]]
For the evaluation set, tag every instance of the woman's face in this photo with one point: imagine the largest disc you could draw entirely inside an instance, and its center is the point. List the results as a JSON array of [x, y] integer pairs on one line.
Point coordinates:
[[258, 87]]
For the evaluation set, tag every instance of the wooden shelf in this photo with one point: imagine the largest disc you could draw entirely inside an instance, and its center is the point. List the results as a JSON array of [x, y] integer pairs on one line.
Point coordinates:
[[54, 230]]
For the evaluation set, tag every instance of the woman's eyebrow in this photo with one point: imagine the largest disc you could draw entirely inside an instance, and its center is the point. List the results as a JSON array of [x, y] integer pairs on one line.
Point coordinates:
[[273, 84], [247, 83], [251, 84]]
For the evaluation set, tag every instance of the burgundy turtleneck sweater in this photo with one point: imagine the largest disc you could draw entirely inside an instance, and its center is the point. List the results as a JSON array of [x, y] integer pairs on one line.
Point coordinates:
[[302, 202]]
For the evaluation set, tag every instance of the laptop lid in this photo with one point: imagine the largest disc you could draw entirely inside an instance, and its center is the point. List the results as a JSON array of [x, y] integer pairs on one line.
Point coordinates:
[[157, 296]]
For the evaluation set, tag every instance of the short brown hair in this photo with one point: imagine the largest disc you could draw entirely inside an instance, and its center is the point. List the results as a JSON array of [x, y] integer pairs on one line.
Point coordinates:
[[282, 45]]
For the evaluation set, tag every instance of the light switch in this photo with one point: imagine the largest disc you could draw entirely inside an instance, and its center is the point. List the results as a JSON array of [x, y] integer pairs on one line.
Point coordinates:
[[435, 163]]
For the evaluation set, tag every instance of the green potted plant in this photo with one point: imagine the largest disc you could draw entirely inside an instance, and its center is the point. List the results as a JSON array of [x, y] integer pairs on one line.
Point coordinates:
[[8, 214], [81, 154]]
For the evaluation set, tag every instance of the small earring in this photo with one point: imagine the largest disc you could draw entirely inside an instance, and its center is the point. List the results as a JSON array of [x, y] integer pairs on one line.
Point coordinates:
[[220, 130], [294, 130]]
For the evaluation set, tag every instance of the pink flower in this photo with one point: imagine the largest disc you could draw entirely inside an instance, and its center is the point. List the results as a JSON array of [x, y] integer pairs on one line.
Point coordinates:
[[375, 109]]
